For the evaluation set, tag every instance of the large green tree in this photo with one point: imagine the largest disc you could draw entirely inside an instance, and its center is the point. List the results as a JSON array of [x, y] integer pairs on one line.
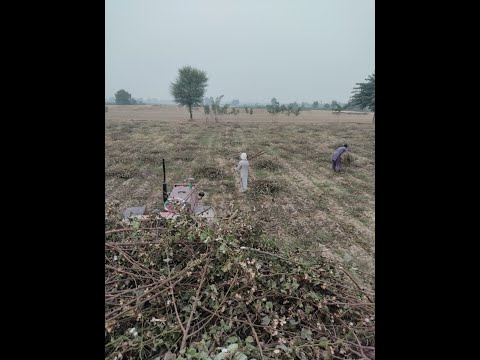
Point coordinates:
[[123, 97], [189, 88], [364, 94]]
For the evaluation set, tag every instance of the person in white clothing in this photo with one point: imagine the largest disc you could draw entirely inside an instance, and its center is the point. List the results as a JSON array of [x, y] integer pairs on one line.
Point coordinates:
[[243, 168]]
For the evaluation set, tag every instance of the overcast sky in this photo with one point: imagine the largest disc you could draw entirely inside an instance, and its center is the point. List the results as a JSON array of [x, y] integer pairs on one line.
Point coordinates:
[[252, 50]]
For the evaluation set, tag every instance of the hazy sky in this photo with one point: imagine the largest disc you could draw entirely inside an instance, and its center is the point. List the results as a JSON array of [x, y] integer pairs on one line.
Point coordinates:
[[252, 50]]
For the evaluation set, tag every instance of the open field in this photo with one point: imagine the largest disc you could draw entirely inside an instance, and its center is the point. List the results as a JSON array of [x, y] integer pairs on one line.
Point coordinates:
[[173, 113], [297, 198]]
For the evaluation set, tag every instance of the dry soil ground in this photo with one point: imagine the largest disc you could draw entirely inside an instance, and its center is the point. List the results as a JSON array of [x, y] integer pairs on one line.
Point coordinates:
[[299, 200]]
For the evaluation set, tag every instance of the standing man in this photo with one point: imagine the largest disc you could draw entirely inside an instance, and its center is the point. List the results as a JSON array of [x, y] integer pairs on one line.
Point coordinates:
[[243, 168], [336, 158]]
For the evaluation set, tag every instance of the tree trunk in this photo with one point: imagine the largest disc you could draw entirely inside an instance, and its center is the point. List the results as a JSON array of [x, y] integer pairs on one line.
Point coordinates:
[[374, 117], [190, 109]]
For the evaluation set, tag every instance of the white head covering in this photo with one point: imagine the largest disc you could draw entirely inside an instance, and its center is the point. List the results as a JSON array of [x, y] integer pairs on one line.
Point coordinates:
[[243, 156]]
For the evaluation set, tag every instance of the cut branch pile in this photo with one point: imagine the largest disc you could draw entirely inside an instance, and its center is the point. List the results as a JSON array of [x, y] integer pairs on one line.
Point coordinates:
[[186, 290], [347, 158]]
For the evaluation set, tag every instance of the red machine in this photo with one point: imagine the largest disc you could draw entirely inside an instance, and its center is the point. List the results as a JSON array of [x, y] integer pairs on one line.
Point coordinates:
[[184, 197]]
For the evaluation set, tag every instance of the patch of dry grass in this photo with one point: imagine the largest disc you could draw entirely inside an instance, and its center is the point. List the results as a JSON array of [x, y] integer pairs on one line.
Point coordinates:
[[291, 183]]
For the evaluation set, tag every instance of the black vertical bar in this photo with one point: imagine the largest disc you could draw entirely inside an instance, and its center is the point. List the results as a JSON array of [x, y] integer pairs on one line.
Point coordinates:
[[165, 195], [164, 178]]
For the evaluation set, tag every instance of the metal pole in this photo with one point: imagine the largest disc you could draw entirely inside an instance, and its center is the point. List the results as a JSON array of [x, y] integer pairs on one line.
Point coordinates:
[[164, 178], [165, 194]]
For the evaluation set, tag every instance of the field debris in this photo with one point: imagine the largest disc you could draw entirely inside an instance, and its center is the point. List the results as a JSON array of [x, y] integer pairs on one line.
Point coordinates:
[[265, 187], [209, 172], [347, 158], [188, 290], [267, 164]]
